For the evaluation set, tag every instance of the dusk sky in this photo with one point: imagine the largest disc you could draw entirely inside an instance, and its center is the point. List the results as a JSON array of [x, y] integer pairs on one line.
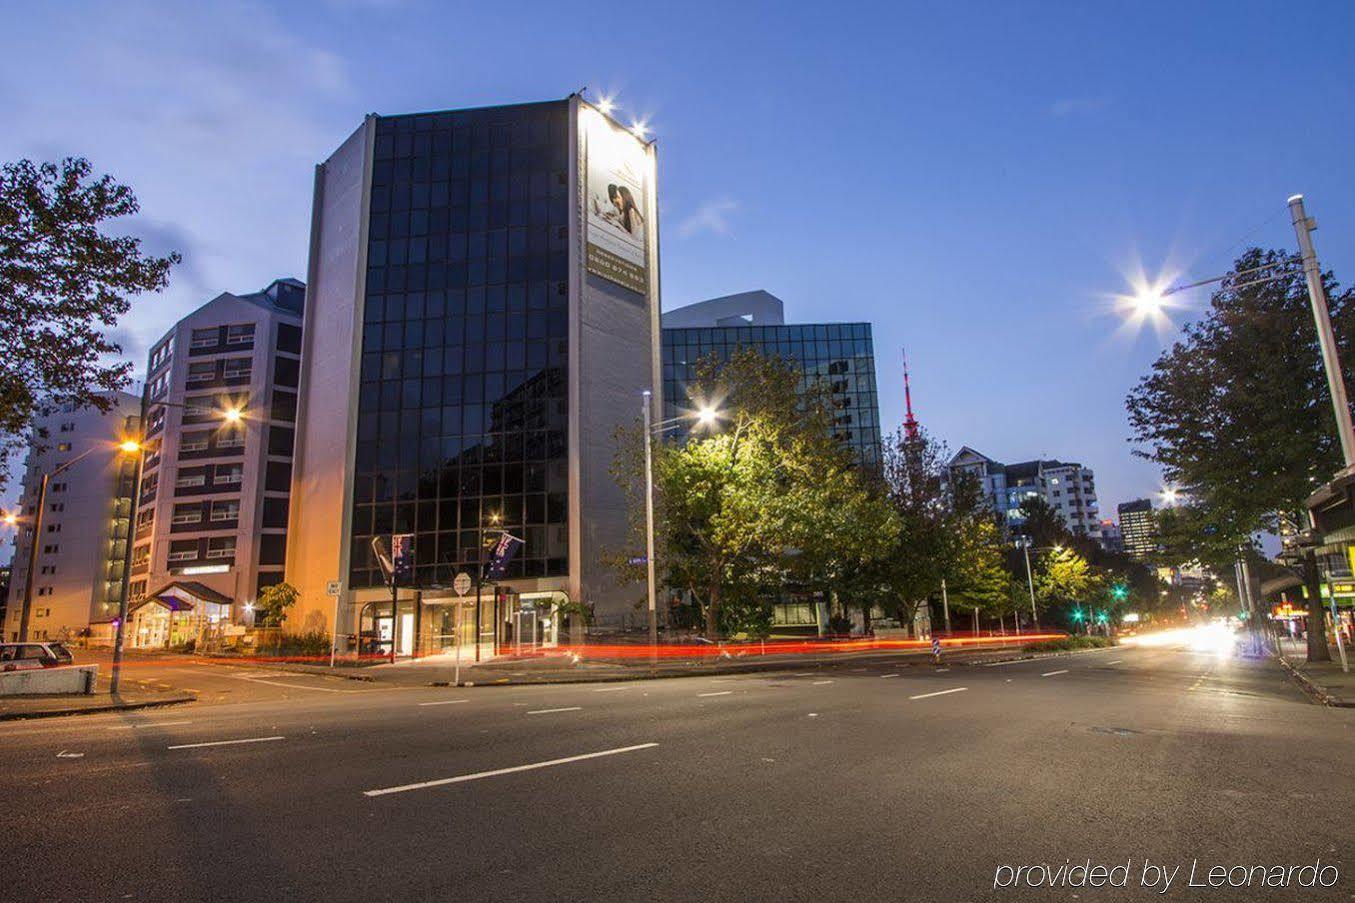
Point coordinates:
[[974, 179]]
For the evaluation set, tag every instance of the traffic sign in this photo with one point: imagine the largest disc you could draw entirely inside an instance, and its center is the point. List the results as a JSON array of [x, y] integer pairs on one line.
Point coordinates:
[[333, 587], [936, 647], [461, 583]]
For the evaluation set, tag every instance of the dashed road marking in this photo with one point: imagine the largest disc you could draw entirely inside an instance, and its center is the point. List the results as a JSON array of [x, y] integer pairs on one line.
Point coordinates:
[[1054, 673], [720, 693], [939, 693], [225, 742], [819, 683], [568, 708], [445, 702], [423, 785], [610, 689]]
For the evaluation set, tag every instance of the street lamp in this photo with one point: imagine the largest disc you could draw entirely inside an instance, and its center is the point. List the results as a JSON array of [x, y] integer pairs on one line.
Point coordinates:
[[230, 415], [706, 416], [1025, 544], [1170, 495], [12, 519]]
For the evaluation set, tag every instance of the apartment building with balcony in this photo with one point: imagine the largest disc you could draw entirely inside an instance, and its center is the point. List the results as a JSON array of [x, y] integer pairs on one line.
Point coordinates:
[[77, 575], [1069, 488], [220, 413]]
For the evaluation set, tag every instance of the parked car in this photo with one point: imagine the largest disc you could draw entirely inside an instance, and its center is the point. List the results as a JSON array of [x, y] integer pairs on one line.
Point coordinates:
[[24, 656]]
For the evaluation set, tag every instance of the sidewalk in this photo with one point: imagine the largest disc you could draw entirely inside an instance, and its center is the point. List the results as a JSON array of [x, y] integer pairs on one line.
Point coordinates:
[[15, 707], [1325, 681], [565, 667]]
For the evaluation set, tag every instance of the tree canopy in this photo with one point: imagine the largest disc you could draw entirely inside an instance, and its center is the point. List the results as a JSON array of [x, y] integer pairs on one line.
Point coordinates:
[[64, 284]]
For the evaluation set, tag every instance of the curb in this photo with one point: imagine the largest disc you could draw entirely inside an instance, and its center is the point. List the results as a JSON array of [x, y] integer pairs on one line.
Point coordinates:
[[178, 699], [1316, 691], [748, 668], [1035, 656]]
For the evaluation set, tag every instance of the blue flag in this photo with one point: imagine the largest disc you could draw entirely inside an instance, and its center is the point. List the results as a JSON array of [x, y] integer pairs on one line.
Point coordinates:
[[504, 550]]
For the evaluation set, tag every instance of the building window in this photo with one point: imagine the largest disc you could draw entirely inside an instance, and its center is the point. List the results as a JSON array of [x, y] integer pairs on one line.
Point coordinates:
[[238, 368], [63, 446], [201, 372], [190, 479], [193, 442], [224, 511], [240, 334], [205, 338], [229, 474], [221, 547], [186, 550], [187, 514]]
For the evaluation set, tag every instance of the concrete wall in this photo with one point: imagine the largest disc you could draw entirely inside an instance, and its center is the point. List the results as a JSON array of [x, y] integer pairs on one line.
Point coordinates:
[[322, 479], [70, 680]]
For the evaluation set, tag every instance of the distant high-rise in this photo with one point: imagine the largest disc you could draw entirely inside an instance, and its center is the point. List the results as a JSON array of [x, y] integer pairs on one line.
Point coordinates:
[[1069, 488], [1138, 526], [77, 580], [841, 354], [221, 399]]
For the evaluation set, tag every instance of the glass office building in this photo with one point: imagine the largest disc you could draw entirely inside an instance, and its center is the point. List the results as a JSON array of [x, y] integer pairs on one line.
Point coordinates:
[[841, 355], [484, 316]]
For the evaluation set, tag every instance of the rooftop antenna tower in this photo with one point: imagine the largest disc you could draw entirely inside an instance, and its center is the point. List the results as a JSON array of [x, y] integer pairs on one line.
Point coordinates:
[[909, 421]]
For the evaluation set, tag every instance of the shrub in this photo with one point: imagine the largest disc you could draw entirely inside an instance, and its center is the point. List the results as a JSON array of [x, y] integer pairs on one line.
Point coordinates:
[[312, 643], [1069, 644]]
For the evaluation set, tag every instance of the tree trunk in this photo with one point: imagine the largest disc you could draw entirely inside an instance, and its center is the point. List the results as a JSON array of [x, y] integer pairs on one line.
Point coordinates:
[[1318, 651], [713, 613]]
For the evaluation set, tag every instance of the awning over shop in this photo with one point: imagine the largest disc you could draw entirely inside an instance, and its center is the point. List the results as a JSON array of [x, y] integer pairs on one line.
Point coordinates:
[[184, 595]]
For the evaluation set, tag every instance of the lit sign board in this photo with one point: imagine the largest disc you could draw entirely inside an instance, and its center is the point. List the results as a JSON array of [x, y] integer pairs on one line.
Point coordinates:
[[617, 183]]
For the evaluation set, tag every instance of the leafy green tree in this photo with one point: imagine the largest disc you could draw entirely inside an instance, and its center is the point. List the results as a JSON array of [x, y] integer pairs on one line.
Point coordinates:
[[766, 500], [274, 602], [1238, 414], [64, 284], [1043, 525], [978, 580], [1063, 579]]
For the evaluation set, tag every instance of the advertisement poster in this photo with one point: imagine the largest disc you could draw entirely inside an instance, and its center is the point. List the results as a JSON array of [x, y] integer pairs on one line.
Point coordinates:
[[616, 202]]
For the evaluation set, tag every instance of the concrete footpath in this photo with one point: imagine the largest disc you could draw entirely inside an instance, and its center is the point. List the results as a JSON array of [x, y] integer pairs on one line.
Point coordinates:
[[1324, 681]]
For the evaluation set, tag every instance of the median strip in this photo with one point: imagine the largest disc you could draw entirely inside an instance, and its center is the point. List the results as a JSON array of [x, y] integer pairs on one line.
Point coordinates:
[[225, 742], [939, 693], [459, 779]]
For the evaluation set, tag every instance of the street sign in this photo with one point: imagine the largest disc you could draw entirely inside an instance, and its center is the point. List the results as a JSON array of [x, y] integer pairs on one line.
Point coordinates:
[[936, 647], [333, 587], [461, 583]]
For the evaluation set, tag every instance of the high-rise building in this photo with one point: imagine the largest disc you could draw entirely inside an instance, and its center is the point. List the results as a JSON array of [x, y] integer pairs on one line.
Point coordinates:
[[1070, 489], [482, 314], [211, 525], [1138, 527], [77, 579], [841, 355]]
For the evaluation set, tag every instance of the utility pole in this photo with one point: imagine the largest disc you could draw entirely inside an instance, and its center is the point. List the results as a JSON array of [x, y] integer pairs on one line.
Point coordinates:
[[945, 604], [1030, 584], [647, 416], [1317, 296], [32, 560], [120, 633]]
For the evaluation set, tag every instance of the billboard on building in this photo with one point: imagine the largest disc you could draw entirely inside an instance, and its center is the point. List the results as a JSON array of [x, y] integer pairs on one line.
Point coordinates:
[[616, 188]]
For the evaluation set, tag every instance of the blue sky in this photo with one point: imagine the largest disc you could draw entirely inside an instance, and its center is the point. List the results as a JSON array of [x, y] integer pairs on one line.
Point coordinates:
[[975, 179]]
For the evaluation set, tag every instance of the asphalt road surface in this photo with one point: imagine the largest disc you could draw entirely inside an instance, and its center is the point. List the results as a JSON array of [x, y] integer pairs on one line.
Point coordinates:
[[856, 782]]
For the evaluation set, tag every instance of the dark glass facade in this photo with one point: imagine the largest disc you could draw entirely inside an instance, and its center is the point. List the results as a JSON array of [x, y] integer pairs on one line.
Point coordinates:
[[463, 406], [842, 354]]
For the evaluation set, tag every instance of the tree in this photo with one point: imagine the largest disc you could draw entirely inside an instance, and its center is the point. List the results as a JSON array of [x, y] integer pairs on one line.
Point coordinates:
[[767, 500], [64, 284], [274, 602], [1238, 414], [1043, 525], [1063, 578], [977, 578]]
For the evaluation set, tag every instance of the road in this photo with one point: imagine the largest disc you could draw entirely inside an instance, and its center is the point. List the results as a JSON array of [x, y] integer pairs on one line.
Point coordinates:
[[857, 782]]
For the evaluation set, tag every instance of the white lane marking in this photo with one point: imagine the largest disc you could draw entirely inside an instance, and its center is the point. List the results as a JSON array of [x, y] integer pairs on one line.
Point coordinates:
[[939, 693], [568, 708], [804, 674], [423, 785], [883, 676], [69, 755], [819, 683], [610, 689], [134, 727], [1116, 662], [721, 693], [1053, 673], [445, 702], [274, 683], [225, 742], [942, 669]]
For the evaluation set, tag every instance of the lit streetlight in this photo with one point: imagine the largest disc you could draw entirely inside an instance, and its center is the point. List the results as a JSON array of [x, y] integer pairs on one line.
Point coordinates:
[[706, 416]]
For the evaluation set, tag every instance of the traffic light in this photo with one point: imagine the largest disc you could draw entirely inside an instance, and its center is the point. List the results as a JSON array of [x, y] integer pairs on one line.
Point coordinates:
[[1077, 614], [1120, 592]]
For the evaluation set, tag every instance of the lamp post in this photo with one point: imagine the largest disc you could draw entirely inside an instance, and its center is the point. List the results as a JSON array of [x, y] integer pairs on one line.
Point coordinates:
[[1030, 579], [705, 416], [229, 415]]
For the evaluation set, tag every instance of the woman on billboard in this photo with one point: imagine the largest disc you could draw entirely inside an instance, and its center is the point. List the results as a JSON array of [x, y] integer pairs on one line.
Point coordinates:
[[627, 214]]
